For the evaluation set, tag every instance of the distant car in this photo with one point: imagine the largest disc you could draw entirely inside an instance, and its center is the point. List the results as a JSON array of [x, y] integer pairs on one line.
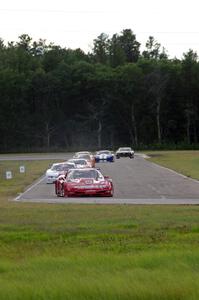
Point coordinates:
[[81, 152], [89, 157], [80, 163], [58, 169], [104, 155], [80, 182], [124, 152]]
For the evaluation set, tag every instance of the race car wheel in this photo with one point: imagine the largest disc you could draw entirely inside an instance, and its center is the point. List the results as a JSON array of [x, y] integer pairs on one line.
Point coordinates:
[[60, 193], [111, 193]]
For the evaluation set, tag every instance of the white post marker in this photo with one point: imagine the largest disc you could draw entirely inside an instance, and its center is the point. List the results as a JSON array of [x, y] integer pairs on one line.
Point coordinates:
[[22, 169], [8, 175]]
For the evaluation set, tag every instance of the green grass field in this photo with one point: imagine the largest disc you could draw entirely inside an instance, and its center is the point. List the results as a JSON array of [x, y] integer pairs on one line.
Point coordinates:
[[95, 251], [185, 162]]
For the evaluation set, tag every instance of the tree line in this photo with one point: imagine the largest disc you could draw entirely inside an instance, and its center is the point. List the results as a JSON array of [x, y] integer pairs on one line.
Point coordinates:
[[54, 98]]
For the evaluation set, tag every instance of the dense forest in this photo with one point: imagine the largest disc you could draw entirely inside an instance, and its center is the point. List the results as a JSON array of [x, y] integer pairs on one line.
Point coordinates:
[[54, 98]]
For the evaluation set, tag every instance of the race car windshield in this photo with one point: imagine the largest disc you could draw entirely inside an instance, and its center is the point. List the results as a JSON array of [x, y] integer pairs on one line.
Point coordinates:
[[67, 167], [80, 162], [85, 156], [57, 168], [82, 153], [124, 149], [103, 152], [77, 174]]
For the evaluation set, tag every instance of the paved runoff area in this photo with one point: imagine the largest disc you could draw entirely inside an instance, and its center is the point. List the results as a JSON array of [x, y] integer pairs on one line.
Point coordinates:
[[136, 181]]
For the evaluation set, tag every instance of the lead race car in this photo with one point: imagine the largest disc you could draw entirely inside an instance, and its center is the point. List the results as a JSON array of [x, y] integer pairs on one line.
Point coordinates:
[[124, 152], [84, 182], [104, 155]]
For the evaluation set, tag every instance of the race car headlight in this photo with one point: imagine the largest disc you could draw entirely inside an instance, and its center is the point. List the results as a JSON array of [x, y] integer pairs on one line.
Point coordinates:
[[105, 183]]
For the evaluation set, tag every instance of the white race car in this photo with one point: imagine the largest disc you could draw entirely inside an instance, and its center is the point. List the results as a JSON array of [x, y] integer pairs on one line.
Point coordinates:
[[124, 152], [57, 170]]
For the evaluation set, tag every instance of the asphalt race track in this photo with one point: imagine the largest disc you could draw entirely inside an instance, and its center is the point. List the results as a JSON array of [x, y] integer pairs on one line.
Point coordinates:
[[136, 181]]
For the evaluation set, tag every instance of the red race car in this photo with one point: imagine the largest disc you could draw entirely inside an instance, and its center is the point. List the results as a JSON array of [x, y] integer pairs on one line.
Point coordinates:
[[84, 182]]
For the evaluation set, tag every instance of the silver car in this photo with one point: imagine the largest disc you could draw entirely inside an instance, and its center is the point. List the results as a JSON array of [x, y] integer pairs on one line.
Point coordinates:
[[58, 169]]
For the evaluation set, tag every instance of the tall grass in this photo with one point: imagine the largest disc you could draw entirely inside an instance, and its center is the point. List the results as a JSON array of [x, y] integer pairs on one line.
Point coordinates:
[[184, 162], [147, 275], [99, 252]]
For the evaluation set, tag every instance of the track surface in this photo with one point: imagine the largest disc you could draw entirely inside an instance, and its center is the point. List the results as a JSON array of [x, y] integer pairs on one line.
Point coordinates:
[[136, 181]]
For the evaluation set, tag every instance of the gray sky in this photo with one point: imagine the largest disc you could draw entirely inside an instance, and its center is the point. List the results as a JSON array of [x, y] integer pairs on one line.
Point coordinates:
[[75, 23]]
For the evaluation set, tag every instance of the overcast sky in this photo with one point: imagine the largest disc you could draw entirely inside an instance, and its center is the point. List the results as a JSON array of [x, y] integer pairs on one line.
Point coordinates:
[[75, 23]]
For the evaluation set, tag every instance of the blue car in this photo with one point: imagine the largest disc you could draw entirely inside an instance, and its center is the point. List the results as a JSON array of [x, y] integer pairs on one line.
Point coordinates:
[[104, 155]]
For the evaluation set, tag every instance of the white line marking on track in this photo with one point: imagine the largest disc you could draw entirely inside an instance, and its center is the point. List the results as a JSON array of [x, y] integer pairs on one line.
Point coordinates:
[[174, 172], [156, 190], [30, 188], [80, 200]]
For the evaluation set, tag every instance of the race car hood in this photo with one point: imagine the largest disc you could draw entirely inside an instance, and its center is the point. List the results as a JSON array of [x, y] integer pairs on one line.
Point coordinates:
[[87, 181], [50, 172], [125, 151], [104, 155], [81, 166], [82, 180]]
